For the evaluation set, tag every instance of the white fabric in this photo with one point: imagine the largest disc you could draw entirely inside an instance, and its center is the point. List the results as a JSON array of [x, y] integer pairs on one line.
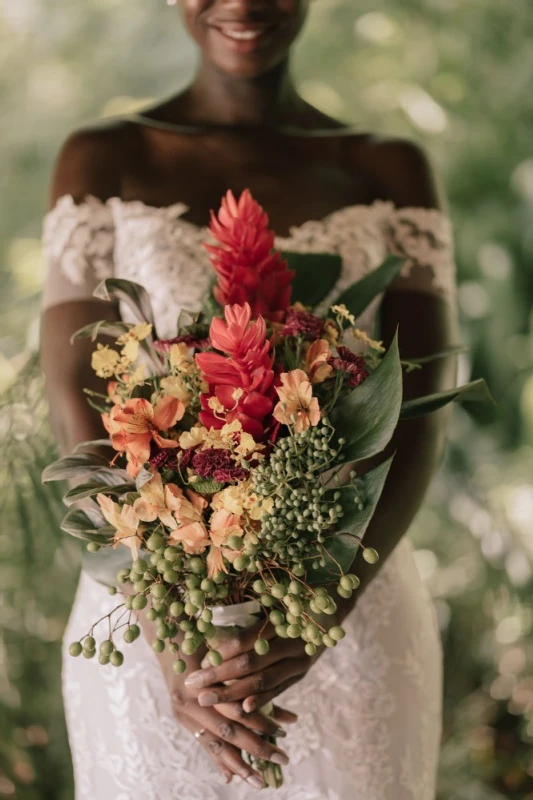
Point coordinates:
[[370, 709]]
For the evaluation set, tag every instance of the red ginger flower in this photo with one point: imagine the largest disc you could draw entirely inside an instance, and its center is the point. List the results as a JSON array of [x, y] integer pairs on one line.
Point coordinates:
[[240, 387], [248, 267]]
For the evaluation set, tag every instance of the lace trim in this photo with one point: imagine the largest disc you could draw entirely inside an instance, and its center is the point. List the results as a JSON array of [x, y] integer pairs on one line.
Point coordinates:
[[78, 239], [153, 245]]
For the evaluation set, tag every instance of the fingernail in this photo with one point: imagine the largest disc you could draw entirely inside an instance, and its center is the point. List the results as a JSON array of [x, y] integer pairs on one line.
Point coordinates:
[[205, 663], [194, 679], [208, 699], [280, 733], [279, 758], [255, 781], [249, 706]]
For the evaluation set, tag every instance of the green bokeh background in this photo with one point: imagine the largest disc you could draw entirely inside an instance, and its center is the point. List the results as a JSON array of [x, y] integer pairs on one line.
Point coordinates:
[[455, 75]]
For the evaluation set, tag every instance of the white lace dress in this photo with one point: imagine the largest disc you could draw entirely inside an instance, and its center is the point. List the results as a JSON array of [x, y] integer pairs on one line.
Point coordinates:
[[369, 710]]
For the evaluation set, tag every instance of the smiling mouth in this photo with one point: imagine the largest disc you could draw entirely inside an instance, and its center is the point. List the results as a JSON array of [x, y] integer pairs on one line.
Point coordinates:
[[245, 34]]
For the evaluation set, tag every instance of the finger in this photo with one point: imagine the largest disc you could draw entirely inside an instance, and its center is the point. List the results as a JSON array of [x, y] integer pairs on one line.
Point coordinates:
[[258, 683], [237, 735], [256, 721], [244, 664], [283, 715], [192, 726], [243, 640], [250, 704]]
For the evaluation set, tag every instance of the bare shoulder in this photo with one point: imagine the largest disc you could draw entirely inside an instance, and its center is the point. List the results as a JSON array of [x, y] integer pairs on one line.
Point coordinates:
[[92, 159], [398, 169]]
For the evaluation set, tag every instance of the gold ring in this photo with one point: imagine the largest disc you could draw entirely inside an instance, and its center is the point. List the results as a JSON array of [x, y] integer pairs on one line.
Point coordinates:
[[199, 733]]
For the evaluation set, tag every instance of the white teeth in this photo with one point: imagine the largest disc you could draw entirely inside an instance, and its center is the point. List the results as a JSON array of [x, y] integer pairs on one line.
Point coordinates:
[[241, 35]]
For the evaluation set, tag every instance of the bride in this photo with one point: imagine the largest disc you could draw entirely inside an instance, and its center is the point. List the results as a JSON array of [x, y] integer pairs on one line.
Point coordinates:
[[131, 197]]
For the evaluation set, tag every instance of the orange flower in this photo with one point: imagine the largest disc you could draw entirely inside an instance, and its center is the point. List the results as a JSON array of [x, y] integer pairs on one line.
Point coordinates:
[[158, 501], [223, 525], [316, 361], [191, 530], [297, 406], [124, 520], [133, 427]]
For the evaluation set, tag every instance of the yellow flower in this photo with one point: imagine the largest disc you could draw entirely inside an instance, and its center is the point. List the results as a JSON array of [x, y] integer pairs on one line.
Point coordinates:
[[331, 331], [130, 351], [175, 387], [343, 312], [192, 438], [137, 333], [180, 358], [215, 405], [364, 337], [104, 361], [135, 377]]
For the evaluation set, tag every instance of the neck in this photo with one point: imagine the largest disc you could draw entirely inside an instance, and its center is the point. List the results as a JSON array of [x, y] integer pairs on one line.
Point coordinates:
[[218, 99]]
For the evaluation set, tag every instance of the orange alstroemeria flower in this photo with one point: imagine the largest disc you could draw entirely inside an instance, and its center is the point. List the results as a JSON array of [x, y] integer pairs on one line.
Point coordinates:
[[316, 360], [297, 406], [223, 525], [134, 426], [191, 530], [124, 520], [158, 501]]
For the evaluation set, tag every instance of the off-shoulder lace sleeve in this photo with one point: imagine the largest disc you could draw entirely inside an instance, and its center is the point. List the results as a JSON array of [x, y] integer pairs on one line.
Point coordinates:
[[78, 243], [425, 238]]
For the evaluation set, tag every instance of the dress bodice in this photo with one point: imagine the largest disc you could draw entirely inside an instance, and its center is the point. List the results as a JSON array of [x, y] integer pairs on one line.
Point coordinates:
[[157, 248]]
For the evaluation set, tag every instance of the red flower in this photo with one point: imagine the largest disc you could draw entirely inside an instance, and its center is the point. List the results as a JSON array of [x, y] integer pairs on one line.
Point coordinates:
[[352, 364], [248, 267], [301, 323], [241, 385], [164, 345], [219, 465]]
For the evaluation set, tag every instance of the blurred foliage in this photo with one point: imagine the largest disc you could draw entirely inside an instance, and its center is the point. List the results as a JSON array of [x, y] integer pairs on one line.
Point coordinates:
[[450, 74]]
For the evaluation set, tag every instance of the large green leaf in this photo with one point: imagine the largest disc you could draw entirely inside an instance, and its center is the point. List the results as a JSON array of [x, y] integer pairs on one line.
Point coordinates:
[[88, 524], [103, 565], [315, 275], [367, 418], [360, 294], [474, 392], [79, 466], [131, 294], [93, 488], [342, 547]]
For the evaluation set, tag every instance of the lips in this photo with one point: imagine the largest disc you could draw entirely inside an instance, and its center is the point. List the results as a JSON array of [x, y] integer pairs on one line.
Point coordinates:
[[244, 36]]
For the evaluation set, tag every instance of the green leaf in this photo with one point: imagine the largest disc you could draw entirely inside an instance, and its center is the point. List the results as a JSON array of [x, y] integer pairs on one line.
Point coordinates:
[[367, 418], [446, 353], [88, 524], [74, 466], [93, 488], [360, 294], [316, 275], [474, 392], [131, 294], [102, 328], [103, 565], [343, 546], [206, 486], [143, 476], [93, 443]]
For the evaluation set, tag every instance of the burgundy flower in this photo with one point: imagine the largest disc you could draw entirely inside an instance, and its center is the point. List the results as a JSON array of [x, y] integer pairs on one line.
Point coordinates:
[[186, 457], [164, 345], [301, 323], [352, 364], [159, 459], [217, 464]]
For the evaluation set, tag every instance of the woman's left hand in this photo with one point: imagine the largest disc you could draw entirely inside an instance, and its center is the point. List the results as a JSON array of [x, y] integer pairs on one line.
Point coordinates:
[[257, 679]]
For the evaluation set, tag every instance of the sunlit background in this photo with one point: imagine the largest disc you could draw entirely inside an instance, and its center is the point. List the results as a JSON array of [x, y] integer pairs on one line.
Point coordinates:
[[453, 74]]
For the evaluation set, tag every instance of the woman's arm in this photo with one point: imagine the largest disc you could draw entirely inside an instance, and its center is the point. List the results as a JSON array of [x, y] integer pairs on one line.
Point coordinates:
[[87, 166]]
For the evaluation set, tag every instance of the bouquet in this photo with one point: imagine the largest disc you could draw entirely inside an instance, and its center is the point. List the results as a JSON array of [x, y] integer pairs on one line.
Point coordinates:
[[234, 481]]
